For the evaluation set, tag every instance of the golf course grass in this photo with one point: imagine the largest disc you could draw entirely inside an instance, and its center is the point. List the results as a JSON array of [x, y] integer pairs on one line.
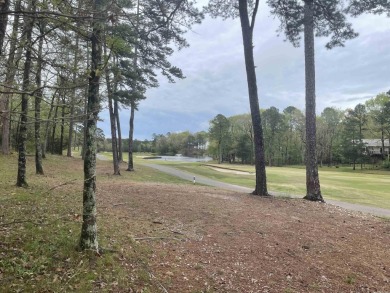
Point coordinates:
[[367, 187]]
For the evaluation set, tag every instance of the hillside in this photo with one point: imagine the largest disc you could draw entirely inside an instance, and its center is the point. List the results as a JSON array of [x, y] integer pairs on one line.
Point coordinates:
[[164, 237]]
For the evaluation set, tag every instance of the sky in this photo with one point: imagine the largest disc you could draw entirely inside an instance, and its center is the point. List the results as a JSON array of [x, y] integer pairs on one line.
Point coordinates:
[[215, 80]]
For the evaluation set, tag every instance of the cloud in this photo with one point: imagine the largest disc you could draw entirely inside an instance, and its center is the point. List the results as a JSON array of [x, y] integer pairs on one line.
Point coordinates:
[[216, 79]]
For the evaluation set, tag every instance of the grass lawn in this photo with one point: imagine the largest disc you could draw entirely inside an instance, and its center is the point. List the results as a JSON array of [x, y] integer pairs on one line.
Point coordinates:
[[367, 187], [40, 227]]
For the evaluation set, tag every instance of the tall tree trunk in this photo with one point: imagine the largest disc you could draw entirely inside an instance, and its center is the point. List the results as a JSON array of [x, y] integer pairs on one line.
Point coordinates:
[[4, 9], [17, 133], [85, 120], [9, 78], [73, 99], [38, 99], [61, 146], [54, 126], [388, 152], [247, 38], [383, 143], [313, 190], [331, 152], [360, 140], [46, 138], [27, 32], [114, 140], [118, 125], [88, 237], [130, 164]]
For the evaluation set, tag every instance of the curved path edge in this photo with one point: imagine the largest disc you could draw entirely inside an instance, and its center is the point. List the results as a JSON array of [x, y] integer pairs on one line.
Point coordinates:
[[380, 212]]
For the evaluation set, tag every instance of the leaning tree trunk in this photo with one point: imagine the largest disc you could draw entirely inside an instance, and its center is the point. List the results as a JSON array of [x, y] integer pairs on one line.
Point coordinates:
[[130, 164], [9, 79], [247, 37], [28, 26], [114, 140], [313, 191], [37, 124], [88, 237]]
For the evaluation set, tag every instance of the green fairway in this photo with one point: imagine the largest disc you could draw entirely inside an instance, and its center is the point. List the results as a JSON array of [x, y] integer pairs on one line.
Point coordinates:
[[368, 187]]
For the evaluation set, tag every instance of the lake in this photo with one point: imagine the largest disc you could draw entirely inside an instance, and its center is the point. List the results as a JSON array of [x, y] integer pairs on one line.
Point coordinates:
[[184, 159]]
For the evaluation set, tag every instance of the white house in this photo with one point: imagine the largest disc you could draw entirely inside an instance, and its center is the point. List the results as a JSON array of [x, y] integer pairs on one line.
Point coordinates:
[[374, 146]]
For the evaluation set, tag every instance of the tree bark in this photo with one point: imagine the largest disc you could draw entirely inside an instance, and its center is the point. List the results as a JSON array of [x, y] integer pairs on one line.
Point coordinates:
[[313, 191], [85, 120], [61, 145], [130, 164], [220, 152], [4, 8], [46, 138], [27, 32], [118, 125], [37, 124], [73, 99], [247, 37], [383, 142], [88, 237], [114, 141], [9, 78], [54, 126]]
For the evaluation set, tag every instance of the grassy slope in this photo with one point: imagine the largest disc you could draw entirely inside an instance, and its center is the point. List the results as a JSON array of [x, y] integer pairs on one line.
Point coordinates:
[[40, 226], [39, 229]]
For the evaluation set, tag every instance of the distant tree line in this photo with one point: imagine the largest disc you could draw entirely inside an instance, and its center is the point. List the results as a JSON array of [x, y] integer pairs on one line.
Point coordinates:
[[340, 135]]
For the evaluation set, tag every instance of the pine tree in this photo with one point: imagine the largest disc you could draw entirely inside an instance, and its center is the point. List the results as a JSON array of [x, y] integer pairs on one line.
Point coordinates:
[[247, 12], [320, 18]]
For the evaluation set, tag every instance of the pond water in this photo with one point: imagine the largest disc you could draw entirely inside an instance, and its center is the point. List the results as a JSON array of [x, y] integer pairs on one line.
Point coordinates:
[[184, 159]]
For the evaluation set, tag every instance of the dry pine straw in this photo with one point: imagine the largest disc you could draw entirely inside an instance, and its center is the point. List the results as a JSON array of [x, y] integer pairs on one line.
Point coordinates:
[[208, 240]]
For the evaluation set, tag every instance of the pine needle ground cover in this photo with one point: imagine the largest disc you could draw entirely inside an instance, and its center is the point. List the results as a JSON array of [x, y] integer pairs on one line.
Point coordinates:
[[159, 236]]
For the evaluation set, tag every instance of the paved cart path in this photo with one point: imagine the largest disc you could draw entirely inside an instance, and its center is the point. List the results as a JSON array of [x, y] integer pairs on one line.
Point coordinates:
[[204, 180]]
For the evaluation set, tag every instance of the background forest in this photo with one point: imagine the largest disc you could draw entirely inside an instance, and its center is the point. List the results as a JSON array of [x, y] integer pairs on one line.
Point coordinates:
[[341, 136]]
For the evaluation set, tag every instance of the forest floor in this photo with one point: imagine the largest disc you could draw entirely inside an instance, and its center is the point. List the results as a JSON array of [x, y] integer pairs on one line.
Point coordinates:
[[179, 237]]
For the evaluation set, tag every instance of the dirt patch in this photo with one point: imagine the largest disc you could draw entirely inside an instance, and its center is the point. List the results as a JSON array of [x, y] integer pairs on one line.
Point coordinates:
[[204, 239]]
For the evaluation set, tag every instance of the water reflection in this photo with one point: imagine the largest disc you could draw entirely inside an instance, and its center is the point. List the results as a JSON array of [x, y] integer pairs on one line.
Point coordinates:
[[184, 159]]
